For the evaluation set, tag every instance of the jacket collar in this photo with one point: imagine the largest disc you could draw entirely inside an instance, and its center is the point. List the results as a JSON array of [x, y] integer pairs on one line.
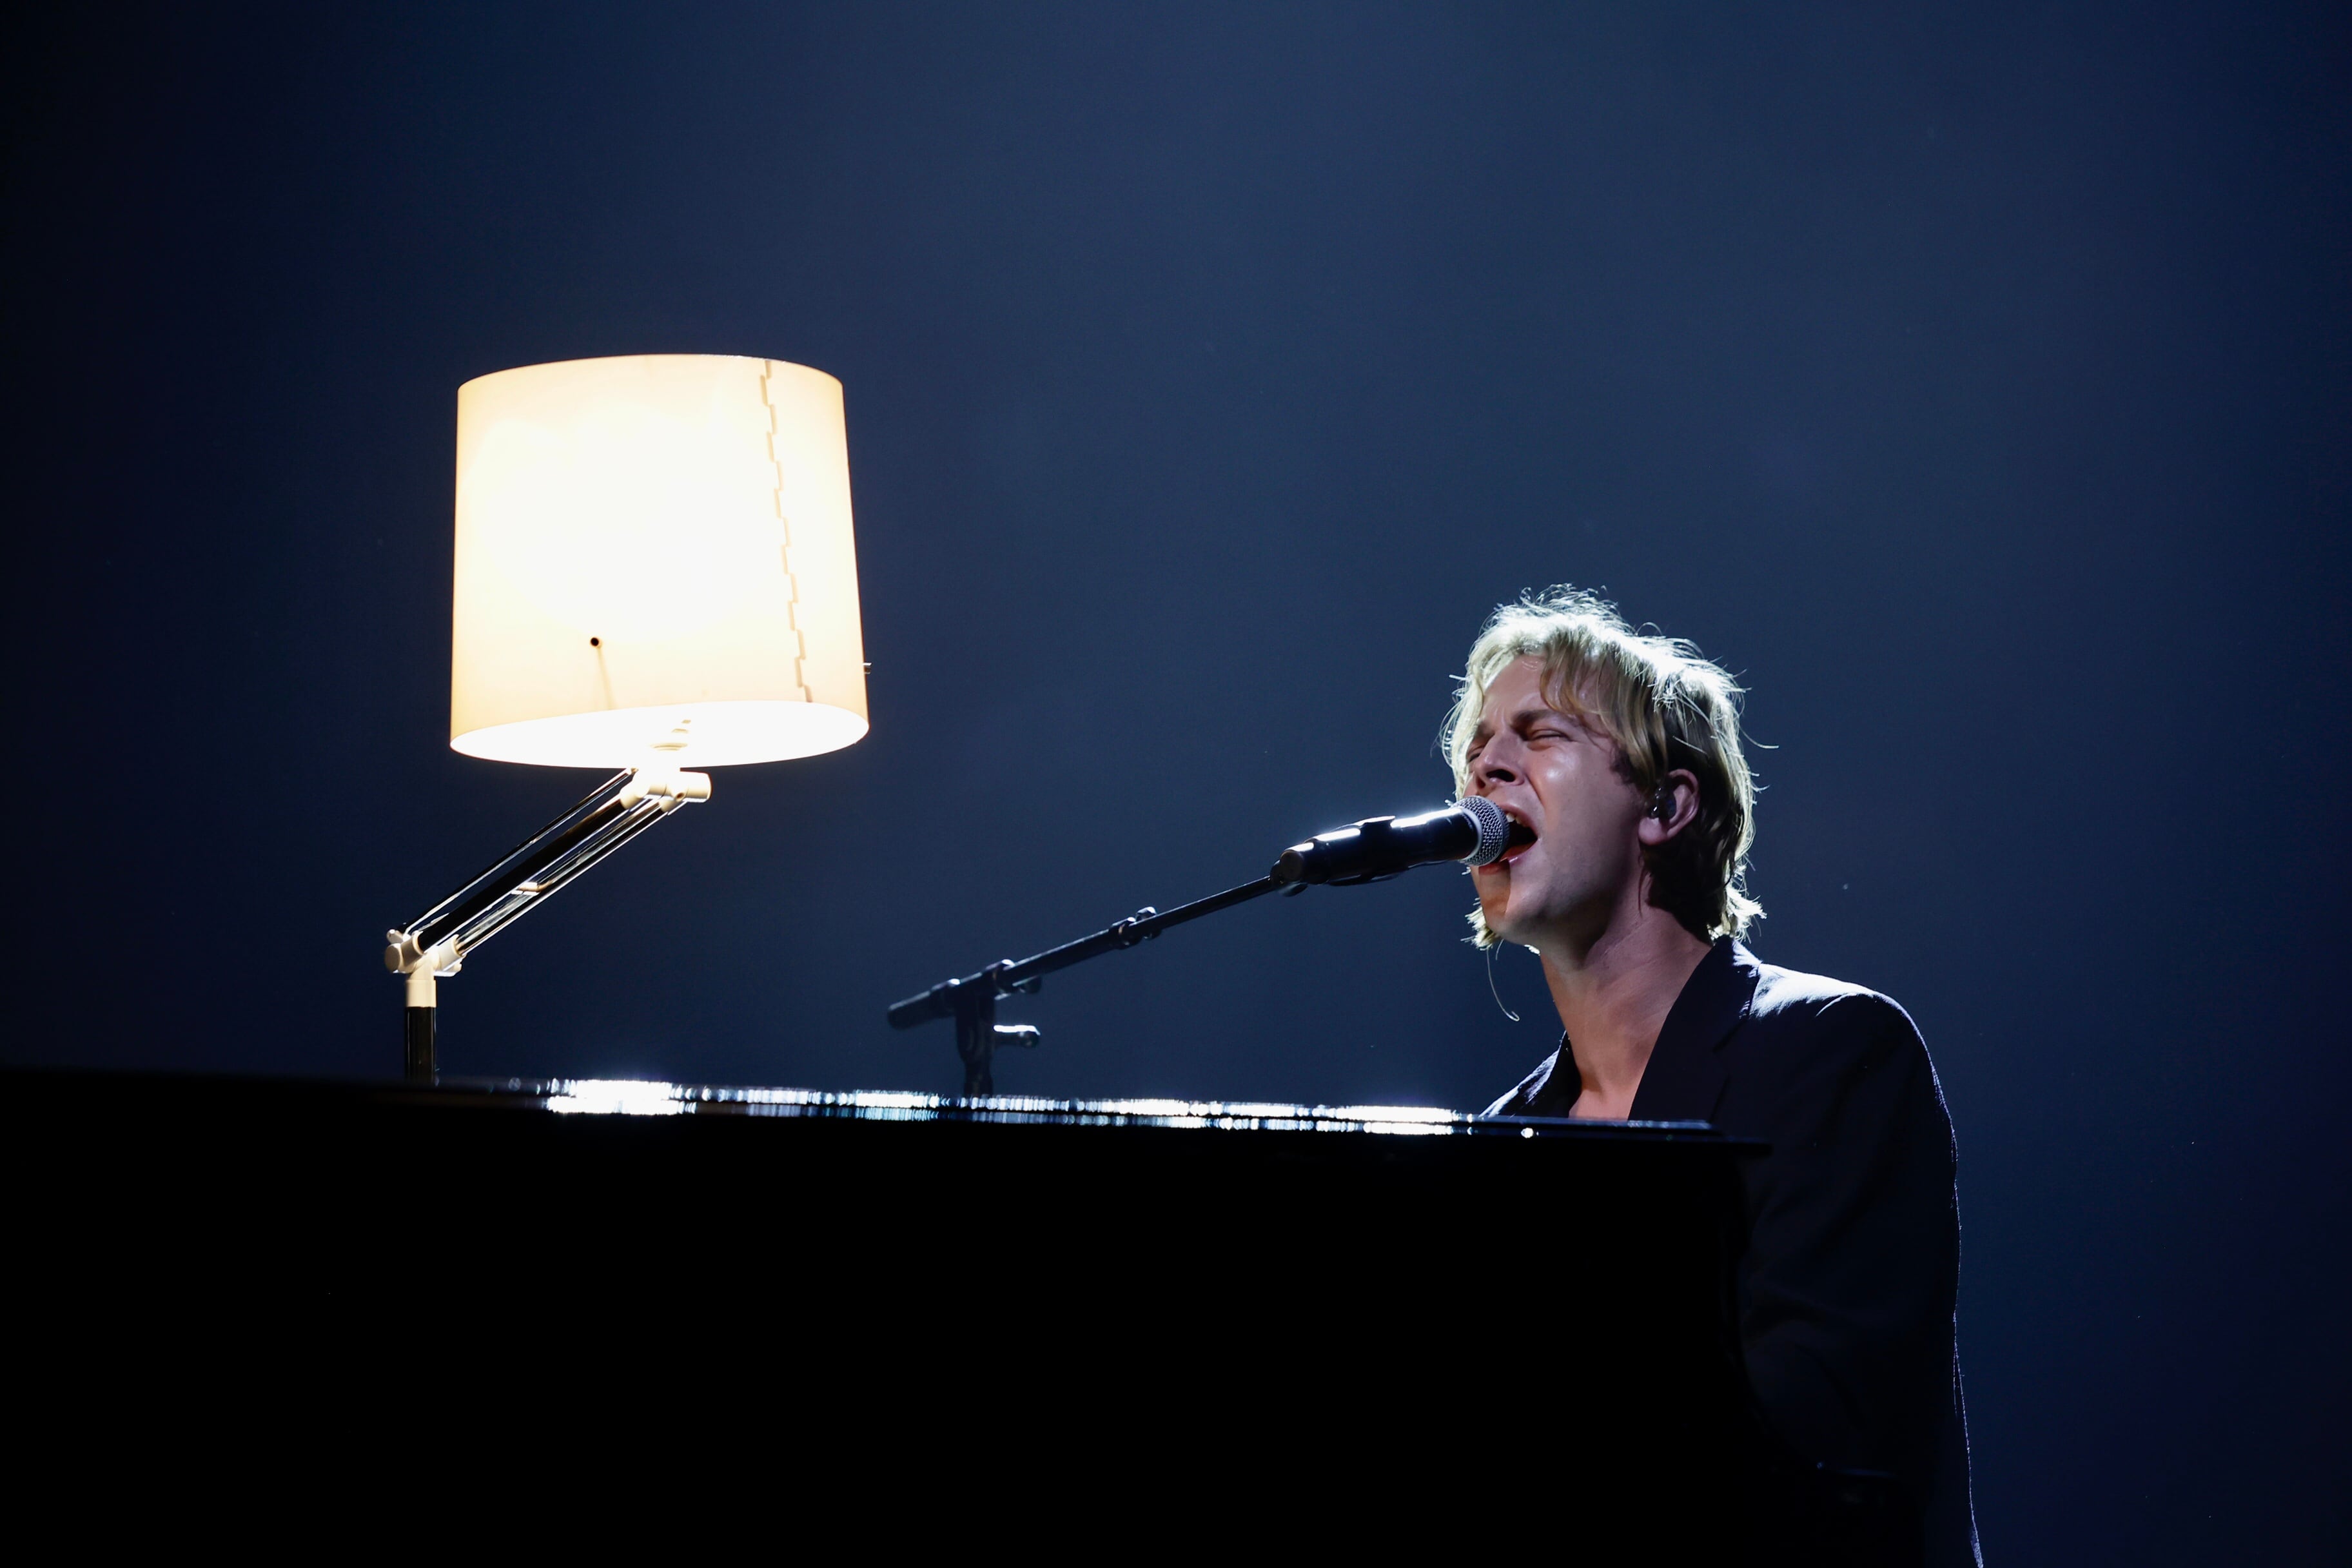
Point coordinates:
[[1683, 1079]]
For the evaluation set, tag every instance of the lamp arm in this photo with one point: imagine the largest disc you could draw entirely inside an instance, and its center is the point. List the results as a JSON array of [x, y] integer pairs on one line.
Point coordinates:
[[436, 943]]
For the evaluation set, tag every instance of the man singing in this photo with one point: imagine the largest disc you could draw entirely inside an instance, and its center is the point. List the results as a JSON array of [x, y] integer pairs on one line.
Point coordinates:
[[1620, 755]]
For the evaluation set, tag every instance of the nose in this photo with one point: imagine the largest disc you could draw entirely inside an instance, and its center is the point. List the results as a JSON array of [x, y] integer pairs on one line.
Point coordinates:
[[1494, 765]]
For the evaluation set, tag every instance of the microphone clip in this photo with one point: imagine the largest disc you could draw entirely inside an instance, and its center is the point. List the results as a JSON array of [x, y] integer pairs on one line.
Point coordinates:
[[1124, 934]]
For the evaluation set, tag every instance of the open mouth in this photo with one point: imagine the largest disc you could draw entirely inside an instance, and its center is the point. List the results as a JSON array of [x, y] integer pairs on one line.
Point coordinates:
[[1523, 833]]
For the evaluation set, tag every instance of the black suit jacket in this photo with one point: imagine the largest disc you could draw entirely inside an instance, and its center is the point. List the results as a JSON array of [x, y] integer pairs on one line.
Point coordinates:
[[1853, 1265]]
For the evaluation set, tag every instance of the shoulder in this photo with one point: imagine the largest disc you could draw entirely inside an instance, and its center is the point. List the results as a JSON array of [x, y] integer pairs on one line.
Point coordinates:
[[1817, 1005], [1811, 1032]]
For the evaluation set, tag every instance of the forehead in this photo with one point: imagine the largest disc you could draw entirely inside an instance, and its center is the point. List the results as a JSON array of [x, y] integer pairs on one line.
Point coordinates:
[[1517, 688]]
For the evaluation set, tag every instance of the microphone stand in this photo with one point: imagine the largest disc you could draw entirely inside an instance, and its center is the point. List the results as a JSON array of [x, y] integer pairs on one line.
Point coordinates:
[[971, 1001]]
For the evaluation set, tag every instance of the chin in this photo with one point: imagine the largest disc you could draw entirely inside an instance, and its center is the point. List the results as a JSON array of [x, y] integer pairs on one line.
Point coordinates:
[[1500, 923]]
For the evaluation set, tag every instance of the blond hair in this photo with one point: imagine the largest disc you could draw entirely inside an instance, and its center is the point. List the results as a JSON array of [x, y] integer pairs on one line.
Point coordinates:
[[1665, 708]]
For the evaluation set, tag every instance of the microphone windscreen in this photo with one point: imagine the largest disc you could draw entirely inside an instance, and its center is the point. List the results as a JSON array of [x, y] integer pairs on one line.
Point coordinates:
[[1494, 829]]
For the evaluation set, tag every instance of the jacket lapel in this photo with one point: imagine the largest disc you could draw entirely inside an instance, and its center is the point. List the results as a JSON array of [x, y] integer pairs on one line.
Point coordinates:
[[1547, 1087], [1684, 1080]]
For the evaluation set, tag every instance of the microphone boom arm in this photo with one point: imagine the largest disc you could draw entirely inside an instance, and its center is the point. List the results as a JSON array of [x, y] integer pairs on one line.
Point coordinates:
[[1473, 831], [971, 1001]]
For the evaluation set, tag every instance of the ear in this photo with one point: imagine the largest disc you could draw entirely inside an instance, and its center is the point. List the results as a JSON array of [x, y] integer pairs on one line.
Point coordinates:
[[1672, 808]]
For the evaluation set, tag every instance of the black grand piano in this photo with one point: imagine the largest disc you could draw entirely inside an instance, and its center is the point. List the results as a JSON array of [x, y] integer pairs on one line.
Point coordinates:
[[1554, 1297]]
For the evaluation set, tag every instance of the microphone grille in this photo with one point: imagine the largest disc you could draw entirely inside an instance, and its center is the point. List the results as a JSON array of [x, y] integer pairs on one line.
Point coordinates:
[[1494, 829]]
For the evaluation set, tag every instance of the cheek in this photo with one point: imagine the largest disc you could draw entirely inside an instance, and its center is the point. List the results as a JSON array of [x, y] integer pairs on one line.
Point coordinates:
[[1583, 813]]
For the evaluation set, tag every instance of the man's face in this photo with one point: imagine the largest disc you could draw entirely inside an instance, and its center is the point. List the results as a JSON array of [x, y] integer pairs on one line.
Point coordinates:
[[1556, 775]]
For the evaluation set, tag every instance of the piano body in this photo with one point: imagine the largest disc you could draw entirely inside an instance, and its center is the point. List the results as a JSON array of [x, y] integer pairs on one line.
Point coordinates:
[[1551, 1302]]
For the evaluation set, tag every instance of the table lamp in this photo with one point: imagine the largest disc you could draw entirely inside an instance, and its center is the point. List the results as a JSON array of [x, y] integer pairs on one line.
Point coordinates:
[[655, 573]]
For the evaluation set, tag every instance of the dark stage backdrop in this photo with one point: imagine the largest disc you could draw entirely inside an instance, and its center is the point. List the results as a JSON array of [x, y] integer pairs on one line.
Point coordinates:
[[1972, 380]]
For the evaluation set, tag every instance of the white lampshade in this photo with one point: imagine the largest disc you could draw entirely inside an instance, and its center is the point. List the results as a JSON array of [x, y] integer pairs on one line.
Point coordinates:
[[655, 549]]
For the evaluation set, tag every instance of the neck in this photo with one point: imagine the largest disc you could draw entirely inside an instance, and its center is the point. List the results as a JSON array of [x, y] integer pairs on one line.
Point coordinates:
[[1613, 993]]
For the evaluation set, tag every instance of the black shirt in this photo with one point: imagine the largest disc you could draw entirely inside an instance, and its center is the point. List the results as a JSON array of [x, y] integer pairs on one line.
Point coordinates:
[[1852, 1267]]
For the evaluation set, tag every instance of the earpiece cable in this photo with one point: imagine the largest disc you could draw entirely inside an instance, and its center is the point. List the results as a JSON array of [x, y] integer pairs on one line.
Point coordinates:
[[1491, 990]]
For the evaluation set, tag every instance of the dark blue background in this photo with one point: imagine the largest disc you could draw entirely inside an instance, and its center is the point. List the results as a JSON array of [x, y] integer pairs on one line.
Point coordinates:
[[1972, 380]]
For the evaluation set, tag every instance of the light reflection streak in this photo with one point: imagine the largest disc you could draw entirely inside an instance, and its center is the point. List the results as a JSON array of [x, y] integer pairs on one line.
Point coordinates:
[[636, 1096], [616, 1097]]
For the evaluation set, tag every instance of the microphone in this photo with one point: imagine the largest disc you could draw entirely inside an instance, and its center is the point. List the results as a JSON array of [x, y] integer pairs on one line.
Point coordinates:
[[1473, 831]]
